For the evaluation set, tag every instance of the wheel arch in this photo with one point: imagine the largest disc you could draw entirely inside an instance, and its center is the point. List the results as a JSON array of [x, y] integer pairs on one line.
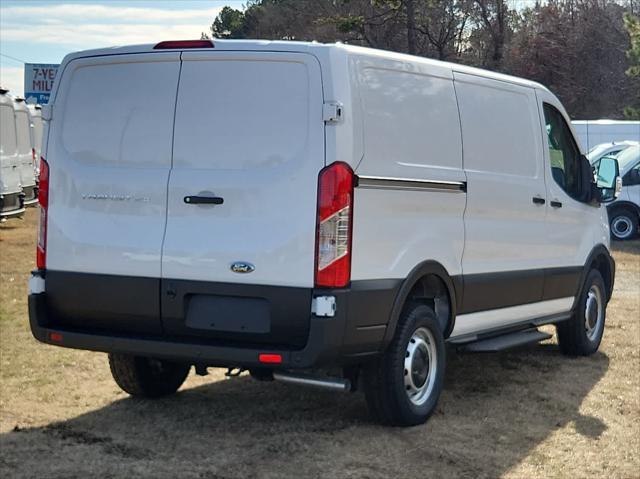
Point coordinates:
[[428, 282], [601, 260], [623, 204]]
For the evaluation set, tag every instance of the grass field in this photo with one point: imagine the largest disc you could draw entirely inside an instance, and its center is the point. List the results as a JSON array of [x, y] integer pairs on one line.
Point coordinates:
[[522, 414]]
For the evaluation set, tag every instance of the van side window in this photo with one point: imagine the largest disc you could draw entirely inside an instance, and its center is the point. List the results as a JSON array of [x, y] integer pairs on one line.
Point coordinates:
[[564, 154]]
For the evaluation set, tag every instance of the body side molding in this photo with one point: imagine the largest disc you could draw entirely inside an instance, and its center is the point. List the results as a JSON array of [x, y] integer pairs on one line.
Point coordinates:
[[382, 182]]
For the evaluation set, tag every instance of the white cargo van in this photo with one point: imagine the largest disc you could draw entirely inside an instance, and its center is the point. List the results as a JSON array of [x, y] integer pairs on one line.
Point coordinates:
[[11, 196], [35, 118], [624, 212], [26, 158], [291, 208], [612, 148]]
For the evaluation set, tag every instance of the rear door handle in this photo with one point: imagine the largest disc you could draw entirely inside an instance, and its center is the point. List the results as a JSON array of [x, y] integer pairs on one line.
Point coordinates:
[[203, 200], [538, 200], [555, 204]]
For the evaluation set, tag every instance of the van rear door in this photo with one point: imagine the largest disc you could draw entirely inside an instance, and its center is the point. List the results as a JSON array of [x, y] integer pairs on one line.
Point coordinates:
[[249, 132], [109, 156], [9, 167]]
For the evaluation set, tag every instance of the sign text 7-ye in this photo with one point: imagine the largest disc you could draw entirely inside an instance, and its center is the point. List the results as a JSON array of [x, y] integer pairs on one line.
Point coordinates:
[[38, 81]]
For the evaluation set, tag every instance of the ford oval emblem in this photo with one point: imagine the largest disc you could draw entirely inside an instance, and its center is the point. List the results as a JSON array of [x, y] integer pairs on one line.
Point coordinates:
[[242, 267]]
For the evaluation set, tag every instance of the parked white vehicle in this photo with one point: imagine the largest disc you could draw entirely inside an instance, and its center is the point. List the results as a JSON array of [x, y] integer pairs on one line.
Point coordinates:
[[624, 212], [35, 118], [594, 132], [315, 208], [11, 196], [25, 153], [612, 148]]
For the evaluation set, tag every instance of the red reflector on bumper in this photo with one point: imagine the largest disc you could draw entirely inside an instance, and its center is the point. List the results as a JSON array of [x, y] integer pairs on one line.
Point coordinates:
[[270, 358], [57, 337]]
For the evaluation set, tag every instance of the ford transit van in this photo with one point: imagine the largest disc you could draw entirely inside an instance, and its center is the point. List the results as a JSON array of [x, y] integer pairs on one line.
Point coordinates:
[[35, 118], [11, 196], [325, 215], [26, 157], [624, 212]]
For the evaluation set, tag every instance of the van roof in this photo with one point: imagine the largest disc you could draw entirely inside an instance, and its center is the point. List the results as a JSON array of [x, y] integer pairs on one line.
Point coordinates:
[[310, 47], [6, 99], [19, 104]]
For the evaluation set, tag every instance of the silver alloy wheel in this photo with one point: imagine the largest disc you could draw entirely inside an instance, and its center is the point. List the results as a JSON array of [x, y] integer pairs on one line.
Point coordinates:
[[593, 312], [420, 366], [622, 227]]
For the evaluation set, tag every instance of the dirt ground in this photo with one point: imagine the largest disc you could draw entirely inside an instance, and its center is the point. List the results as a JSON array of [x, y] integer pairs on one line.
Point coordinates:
[[522, 414]]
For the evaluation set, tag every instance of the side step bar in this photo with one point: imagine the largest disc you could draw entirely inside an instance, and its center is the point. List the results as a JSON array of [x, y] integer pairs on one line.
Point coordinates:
[[506, 341], [336, 384]]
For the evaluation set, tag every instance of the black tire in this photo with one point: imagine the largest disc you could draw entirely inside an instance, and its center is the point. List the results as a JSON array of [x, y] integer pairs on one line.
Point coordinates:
[[623, 223], [575, 336], [384, 379], [147, 377]]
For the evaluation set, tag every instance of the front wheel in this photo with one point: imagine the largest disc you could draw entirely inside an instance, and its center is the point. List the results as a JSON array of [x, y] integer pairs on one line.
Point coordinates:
[[623, 224], [581, 335], [403, 386]]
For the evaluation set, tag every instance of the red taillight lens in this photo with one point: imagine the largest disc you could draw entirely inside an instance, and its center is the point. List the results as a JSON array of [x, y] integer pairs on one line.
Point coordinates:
[[33, 156], [43, 199], [181, 44], [334, 226]]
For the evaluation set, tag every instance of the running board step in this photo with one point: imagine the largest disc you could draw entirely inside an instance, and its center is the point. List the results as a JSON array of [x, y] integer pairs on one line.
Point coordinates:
[[506, 341]]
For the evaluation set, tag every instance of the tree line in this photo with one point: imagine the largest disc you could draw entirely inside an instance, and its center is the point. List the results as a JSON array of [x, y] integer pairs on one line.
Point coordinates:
[[586, 51]]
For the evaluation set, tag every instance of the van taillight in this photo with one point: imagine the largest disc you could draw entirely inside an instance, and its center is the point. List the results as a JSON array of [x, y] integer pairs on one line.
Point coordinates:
[[33, 156], [43, 199], [334, 226]]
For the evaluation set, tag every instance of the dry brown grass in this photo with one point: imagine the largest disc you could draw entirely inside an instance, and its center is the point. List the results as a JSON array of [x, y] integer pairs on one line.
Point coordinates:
[[521, 414]]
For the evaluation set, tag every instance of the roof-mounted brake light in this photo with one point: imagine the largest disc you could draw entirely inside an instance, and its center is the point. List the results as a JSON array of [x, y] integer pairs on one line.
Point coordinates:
[[181, 44]]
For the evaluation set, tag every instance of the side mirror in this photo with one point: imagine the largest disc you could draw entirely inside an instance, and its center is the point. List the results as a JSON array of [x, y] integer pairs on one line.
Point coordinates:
[[608, 182]]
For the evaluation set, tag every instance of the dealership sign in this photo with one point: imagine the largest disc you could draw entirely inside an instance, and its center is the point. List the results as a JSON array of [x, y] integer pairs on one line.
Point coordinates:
[[38, 81]]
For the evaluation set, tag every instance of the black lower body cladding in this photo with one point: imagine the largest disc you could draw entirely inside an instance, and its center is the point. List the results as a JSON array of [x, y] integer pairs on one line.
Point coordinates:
[[220, 324], [11, 203], [225, 324], [30, 194]]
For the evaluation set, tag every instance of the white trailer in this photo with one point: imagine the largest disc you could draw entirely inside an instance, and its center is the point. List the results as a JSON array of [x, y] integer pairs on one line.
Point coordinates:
[[593, 132]]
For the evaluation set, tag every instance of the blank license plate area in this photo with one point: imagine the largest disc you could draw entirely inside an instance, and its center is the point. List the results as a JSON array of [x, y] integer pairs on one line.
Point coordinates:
[[229, 314]]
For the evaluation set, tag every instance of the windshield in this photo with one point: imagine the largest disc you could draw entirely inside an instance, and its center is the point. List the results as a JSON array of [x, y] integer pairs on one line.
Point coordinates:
[[628, 158]]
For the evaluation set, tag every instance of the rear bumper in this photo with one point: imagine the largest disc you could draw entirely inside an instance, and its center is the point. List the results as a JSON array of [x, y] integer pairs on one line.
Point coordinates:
[[30, 195], [353, 335], [11, 204], [325, 338]]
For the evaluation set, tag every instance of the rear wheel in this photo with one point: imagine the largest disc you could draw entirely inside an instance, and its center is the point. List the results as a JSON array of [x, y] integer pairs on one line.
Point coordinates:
[[402, 387], [147, 377], [582, 334], [623, 223]]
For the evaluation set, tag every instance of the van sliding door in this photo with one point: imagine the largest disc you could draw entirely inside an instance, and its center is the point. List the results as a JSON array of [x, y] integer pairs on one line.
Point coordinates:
[[505, 244]]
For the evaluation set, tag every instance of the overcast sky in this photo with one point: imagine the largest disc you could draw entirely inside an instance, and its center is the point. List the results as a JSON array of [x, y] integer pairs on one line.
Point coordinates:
[[44, 31]]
